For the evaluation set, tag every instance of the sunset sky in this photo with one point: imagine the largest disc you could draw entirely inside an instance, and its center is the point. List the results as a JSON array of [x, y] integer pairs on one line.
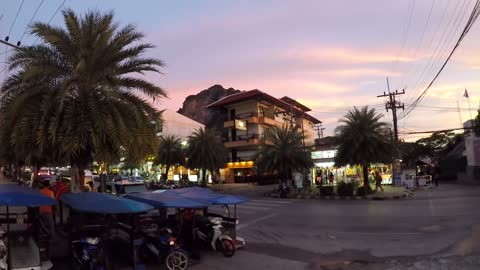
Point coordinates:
[[329, 55]]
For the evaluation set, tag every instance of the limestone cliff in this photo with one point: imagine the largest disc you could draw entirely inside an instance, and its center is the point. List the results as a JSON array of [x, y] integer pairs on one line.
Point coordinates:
[[194, 106]]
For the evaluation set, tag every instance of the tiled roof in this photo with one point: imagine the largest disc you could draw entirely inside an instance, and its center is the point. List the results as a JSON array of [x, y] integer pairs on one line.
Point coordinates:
[[259, 95]]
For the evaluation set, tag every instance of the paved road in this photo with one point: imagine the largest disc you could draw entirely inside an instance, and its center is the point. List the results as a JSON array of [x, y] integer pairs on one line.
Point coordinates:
[[297, 234]]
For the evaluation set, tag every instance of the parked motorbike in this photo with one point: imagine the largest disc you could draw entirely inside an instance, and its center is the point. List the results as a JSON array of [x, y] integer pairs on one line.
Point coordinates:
[[164, 247], [89, 253], [3, 251], [212, 234]]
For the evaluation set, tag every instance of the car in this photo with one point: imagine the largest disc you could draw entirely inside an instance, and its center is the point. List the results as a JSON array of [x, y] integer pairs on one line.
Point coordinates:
[[126, 187], [120, 178], [136, 179]]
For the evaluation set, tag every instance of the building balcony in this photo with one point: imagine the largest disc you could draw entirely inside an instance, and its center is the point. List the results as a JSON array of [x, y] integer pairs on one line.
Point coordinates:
[[244, 140], [252, 118]]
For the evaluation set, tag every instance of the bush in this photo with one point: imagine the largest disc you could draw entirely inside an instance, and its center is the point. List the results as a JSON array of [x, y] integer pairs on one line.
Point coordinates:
[[361, 191], [345, 189], [327, 191]]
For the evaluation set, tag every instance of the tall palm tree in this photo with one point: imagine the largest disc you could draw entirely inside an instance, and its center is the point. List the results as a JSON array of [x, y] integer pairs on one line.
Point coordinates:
[[206, 151], [82, 81], [363, 139], [283, 152], [170, 152]]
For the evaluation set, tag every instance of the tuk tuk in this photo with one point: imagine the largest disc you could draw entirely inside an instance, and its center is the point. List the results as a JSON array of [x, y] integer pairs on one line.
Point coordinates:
[[217, 233], [91, 217], [25, 248]]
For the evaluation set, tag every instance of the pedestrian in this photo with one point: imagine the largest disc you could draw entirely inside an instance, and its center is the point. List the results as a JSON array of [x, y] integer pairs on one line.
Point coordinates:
[[46, 211], [186, 231], [91, 186], [331, 178], [378, 181], [436, 175]]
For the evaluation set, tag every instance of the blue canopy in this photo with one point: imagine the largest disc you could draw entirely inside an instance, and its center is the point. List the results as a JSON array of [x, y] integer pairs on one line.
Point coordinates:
[[14, 195], [101, 203], [214, 198], [161, 199]]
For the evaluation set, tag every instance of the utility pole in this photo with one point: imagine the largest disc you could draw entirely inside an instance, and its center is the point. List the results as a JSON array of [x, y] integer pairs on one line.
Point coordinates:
[[9, 44], [393, 105]]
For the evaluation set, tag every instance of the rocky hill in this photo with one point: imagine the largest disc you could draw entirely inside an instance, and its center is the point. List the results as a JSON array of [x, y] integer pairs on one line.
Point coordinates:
[[194, 106]]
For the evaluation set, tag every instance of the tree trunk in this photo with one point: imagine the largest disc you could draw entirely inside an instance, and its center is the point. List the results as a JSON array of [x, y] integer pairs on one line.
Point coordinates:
[[204, 177], [167, 168], [74, 186], [81, 176], [34, 177], [366, 183]]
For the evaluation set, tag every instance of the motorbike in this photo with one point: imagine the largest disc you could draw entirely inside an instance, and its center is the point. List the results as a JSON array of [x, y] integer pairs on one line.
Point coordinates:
[[89, 253], [212, 234], [3, 251], [164, 247]]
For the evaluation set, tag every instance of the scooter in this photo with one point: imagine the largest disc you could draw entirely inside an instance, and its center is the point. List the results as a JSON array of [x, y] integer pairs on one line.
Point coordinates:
[[164, 247], [3, 251], [213, 235], [88, 253]]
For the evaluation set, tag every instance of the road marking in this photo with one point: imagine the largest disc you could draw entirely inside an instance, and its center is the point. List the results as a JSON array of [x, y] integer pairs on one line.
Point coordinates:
[[253, 207], [273, 201], [264, 204], [244, 225]]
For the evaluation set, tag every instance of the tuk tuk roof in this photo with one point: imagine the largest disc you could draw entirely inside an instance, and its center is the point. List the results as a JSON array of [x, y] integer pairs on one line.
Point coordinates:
[[101, 203], [163, 200], [184, 190], [214, 198], [14, 195]]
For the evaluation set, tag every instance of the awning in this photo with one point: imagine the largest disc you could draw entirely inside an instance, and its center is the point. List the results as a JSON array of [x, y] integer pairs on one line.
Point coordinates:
[[14, 195], [163, 200], [101, 203]]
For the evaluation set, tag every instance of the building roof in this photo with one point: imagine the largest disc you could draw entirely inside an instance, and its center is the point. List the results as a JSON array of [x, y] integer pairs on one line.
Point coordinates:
[[295, 103], [259, 95]]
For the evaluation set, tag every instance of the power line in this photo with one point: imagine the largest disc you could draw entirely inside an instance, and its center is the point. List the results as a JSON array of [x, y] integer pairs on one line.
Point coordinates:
[[430, 63], [425, 27], [405, 33], [51, 18], [473, 17], [14, 20], [446, 44], [29, 23]]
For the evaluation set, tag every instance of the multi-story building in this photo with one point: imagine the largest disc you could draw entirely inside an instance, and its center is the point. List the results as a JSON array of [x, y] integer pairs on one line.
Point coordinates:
[[248, 116]]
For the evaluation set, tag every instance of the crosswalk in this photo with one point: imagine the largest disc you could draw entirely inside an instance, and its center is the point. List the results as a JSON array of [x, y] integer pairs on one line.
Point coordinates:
[[253, 207], [261, 205]]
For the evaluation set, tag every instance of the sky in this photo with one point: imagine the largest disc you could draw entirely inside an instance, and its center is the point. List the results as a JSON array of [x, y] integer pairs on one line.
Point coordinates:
[[329, 55]]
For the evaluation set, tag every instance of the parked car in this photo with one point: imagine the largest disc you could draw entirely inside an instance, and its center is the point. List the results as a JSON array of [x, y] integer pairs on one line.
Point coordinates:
[[136, 179], [120, 178], [123, 188]]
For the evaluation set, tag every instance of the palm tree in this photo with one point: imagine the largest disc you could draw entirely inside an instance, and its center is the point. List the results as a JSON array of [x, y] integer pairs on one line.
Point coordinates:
[[82, 82], [283, 152], [363, 139], [206, 151], [170, 152]]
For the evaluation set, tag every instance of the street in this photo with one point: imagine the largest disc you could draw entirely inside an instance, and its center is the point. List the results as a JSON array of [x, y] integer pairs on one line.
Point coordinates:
[[311, 234]]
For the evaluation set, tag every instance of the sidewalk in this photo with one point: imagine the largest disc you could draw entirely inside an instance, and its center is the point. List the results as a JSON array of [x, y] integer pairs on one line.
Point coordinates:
[[390, 192]]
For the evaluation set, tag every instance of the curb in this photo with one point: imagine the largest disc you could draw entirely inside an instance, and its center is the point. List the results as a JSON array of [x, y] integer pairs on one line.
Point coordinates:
[[344, 198]]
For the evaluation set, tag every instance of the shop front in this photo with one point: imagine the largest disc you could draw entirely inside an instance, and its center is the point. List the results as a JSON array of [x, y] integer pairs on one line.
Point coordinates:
[[326, 173]]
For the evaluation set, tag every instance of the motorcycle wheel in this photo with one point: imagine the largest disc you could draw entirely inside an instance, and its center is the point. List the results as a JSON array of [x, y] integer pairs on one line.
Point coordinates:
[[176, 260], [228, 247]]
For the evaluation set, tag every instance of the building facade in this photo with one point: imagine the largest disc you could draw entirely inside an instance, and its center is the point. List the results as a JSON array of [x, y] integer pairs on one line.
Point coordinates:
[[248, 116]]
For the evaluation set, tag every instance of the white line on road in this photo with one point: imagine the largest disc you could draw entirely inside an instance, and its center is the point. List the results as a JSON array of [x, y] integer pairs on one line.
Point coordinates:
[[244, 225], [273, 201], [265, 204], [252, 207]]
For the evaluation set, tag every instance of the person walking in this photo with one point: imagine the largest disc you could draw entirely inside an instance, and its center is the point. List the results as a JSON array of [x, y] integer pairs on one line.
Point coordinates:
[[378, 181]]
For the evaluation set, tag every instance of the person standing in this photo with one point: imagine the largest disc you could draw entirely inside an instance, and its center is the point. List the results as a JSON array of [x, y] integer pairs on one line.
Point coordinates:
[[331, 178], [378, 181], [46, 211]]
